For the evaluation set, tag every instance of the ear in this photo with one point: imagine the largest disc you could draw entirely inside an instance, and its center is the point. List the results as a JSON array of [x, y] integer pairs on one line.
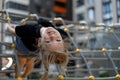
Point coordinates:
[[39, 42]]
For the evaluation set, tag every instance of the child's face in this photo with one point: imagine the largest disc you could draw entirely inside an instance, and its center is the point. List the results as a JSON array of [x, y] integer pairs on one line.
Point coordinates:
[[53, 40]]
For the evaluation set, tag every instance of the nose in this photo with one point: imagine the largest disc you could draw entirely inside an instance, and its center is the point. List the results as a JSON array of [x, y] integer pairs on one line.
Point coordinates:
[[52, 37]]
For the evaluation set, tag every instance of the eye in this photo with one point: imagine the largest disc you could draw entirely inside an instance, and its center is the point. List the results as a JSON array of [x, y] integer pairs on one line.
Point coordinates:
[[58, 40], [47, 41]]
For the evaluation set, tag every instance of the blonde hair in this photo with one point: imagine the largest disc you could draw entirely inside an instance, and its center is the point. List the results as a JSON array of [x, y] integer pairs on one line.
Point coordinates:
[[54, 58], [58, 56]]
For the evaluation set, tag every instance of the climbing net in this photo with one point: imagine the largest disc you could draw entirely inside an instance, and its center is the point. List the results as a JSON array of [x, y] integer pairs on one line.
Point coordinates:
[[91, 47]]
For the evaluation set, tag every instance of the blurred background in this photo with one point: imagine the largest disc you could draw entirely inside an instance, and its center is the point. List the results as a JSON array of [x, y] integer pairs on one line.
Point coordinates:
[[91, 12]]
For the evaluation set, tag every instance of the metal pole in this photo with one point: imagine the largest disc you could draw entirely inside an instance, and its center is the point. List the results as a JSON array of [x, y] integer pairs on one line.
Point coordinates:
[[112, 62], [2, 7], [16, 56], [76, 46]]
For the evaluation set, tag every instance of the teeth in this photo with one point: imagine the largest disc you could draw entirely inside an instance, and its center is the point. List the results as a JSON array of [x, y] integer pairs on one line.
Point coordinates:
[[51, 32]]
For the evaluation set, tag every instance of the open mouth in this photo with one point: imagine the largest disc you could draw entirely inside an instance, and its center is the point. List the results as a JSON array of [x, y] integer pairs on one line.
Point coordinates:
[[51, 32]]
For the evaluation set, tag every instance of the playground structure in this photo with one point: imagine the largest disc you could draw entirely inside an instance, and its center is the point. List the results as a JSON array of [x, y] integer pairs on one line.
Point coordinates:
[[91, 48]]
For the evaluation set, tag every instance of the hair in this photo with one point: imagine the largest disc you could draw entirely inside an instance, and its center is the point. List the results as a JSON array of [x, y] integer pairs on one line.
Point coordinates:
[[57, 57]]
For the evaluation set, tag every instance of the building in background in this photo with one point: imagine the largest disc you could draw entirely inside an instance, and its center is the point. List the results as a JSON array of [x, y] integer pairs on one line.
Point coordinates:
[[17, 9], [52, 8], [43, 8], [0, 5], [97, 11], [92, 11], [63, 8], [0, 22]]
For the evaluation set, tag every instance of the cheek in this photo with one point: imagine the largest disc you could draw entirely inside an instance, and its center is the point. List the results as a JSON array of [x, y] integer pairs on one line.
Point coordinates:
[[46, 37]]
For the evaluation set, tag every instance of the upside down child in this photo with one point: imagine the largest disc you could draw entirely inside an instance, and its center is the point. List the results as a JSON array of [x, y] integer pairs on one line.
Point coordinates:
[[32, 38]]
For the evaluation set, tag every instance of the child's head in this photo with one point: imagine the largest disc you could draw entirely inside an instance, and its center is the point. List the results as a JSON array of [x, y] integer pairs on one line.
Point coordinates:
[[50, 37], [52, 40]]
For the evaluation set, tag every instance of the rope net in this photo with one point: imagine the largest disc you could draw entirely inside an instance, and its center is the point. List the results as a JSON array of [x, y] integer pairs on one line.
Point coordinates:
[[93, 49]]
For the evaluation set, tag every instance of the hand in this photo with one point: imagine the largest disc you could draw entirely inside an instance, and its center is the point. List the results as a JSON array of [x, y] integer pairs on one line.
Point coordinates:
[[11, 29]]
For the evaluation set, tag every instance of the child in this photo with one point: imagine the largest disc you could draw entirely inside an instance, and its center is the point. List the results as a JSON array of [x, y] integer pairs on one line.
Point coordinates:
[[31, 37]]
